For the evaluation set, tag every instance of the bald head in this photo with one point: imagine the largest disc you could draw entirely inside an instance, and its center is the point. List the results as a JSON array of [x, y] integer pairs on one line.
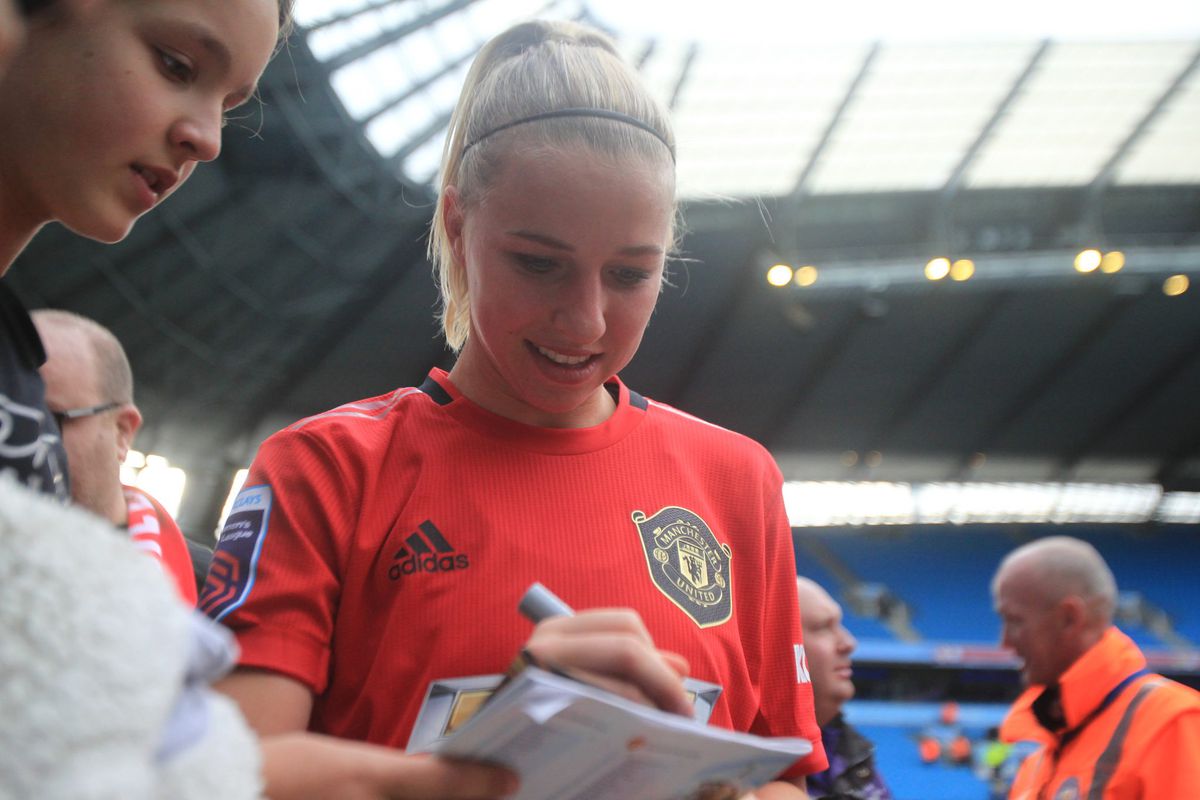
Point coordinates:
[[92, 345], [1055, 598], [86, 371], [827, 647], [813, 597], [1062, 566]]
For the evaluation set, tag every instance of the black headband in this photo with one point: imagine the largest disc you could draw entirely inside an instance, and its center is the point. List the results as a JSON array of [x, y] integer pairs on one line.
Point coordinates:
[[602, 113]]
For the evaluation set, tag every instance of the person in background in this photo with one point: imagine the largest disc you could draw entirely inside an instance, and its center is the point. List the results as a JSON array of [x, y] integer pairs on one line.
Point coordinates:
[[381, 548], [1108, 728], [828, 646], [945, 739], [996, 763], [89, 391]]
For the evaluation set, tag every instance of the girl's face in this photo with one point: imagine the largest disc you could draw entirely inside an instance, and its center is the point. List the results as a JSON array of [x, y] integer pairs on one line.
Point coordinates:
[[564, 257], [116, 101]]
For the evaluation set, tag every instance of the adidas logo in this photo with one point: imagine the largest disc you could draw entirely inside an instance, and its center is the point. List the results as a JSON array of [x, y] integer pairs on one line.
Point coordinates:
[[426, 550]]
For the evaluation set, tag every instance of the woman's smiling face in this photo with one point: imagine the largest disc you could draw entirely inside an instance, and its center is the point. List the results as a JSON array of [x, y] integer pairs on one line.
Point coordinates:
[[564, 257]]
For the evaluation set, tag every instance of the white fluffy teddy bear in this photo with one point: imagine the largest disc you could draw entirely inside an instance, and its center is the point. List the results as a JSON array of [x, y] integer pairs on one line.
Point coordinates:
[[103, 673]]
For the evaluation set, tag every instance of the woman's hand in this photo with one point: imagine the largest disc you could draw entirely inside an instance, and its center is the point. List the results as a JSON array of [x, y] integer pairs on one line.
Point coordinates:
[[307, 766], [611, 648]]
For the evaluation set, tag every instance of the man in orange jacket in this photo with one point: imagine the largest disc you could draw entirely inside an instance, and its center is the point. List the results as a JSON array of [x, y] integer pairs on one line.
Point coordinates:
[[1109, 728]]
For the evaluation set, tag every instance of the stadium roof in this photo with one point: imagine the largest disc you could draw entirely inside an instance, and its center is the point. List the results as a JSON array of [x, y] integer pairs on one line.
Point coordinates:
[[802, 115], [290, 275]]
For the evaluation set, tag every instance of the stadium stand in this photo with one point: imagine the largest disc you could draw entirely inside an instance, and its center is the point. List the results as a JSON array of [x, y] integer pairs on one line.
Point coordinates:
[[941, 576]]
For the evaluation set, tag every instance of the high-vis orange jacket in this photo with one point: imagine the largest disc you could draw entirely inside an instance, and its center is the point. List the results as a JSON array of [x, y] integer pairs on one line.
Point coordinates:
[[1118, 731]]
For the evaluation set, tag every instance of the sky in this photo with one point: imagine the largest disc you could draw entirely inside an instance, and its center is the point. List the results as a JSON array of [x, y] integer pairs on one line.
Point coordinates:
[[912, 20]]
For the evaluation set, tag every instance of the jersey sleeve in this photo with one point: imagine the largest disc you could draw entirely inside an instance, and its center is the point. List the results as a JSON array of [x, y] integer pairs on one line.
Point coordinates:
[[787, 699], [154, 532], [275, 578], [178, 563]]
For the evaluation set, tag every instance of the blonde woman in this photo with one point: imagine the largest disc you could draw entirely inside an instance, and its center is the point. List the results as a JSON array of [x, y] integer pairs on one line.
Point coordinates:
[[382, 547]]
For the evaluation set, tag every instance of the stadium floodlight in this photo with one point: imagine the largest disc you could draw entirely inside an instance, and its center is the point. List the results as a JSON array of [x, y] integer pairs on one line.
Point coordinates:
[[1175, 285], [1112, 261], [1088, 260], [779, 275], [806, 275], [937, 268], [962, 269]]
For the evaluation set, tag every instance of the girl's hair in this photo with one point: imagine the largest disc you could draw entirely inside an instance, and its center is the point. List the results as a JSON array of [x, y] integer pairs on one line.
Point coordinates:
[[30, 7], [285, 18], [530, 70]]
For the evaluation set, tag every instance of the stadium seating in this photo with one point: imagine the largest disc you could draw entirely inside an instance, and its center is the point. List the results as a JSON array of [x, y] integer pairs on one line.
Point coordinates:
[[943, 573], [895, 729]]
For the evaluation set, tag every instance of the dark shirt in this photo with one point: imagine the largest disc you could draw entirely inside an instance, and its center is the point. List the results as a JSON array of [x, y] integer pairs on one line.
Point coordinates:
[[851, 774], [31, 450]]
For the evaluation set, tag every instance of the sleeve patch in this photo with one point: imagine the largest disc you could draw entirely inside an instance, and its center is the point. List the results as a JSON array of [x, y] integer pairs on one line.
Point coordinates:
[[235, 561]]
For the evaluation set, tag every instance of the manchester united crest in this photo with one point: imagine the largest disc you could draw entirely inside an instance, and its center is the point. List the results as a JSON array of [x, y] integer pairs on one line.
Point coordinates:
[[687, 563]]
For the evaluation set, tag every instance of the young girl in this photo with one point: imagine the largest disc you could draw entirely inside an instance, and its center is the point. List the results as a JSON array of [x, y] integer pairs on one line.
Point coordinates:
[[381, 548], [105, 110], [106, 107]]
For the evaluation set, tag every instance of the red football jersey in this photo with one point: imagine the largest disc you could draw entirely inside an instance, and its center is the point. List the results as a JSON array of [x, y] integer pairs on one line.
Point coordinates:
[[385, 544], [156, 534]]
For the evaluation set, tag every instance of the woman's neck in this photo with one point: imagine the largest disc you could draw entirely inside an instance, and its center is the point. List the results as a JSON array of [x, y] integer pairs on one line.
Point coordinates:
[[475, 376]]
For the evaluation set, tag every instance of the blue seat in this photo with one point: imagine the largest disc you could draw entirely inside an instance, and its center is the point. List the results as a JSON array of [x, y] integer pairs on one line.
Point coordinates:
[[909, 778], [862, 627], [944, 573]]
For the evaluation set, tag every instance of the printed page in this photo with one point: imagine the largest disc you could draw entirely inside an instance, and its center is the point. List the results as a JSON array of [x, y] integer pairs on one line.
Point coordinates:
[[571, 741]]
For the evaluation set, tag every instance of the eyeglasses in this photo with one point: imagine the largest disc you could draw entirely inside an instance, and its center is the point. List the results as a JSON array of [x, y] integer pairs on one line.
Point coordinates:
[[75, 413]]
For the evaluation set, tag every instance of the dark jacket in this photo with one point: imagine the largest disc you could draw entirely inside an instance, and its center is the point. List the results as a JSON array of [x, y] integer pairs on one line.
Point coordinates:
[[852, 774], [31, 450]]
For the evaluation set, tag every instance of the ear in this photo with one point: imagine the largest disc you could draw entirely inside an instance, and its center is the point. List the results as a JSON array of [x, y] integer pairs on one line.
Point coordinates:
[[129, 420], [1072, 613], [452, 214]]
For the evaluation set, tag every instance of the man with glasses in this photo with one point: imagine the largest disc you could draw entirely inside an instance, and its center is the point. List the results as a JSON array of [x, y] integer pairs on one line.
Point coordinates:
[[89, 391]]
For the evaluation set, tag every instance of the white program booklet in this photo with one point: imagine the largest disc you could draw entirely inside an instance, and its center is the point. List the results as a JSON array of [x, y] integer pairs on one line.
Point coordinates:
[[571, 741]]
